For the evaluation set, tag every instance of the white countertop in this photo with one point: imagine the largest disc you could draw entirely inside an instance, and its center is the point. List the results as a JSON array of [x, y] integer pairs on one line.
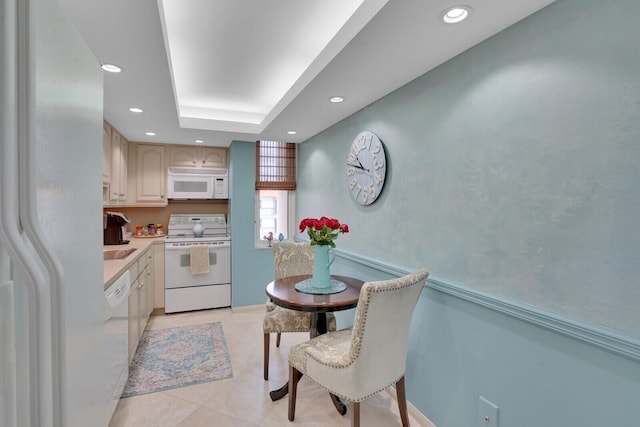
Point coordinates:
[[114, 267]]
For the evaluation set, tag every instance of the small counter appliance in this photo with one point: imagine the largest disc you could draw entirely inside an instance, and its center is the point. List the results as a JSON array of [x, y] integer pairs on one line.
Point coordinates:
[[113, 223]]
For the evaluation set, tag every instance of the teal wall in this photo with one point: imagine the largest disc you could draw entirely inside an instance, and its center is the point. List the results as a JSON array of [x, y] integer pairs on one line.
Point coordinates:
[[251, 268], [512, 169], [513, 177]]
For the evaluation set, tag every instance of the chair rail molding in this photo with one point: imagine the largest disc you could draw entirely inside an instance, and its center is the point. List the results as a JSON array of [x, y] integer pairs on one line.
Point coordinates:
[[605, 338], [602, 337]]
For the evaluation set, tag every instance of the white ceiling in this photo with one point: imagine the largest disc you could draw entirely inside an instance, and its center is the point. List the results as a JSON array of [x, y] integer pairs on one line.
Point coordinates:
[[224, 70]]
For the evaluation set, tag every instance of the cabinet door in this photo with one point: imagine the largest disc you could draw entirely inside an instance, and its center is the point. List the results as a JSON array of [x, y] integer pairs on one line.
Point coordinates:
[[183, 156], [148, 272], [116, 159], [158, 275], [150, 174], [119, 157], [124, 158], [213, 157], [198, 157], [134, 316], [106, 153], [143, 285]]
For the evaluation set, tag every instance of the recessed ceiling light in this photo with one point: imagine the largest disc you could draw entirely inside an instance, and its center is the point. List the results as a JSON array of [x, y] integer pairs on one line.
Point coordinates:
[[291, 132], [456, 14], [112, 68], [135, 110], [150, 133], [335, 99], [199, 141]]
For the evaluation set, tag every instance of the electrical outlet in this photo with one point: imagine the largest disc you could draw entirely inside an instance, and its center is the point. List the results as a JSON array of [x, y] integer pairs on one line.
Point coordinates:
[[488, 413]]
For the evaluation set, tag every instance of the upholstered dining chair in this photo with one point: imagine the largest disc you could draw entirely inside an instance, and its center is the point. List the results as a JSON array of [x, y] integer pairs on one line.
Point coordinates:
[[359, 362], [290, 259]]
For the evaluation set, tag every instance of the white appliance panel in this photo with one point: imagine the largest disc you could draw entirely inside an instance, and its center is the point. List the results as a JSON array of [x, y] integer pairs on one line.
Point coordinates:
[[177, 266], [184, 290], [181, 226], [184, 183], [116, 339], [54, 373], [198, 298]]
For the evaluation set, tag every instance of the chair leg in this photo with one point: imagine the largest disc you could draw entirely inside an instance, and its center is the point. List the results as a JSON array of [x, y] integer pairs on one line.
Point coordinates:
[[278, 335], [355, 416], [402, 402], [294, 377], [266, 356]]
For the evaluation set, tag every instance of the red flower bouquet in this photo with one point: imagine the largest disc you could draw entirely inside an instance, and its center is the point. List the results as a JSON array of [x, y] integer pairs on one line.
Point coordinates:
[[323, 231]]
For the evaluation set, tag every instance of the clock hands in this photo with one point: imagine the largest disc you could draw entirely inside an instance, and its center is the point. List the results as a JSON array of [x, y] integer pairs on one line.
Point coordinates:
[[358, 166]]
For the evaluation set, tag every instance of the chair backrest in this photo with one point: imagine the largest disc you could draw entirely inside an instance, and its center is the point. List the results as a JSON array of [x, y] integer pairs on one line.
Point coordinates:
[[292, 259], [380, 331]]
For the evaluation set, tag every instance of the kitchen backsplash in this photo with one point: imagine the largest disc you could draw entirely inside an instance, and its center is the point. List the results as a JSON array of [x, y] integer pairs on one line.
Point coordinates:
[[160, 215]]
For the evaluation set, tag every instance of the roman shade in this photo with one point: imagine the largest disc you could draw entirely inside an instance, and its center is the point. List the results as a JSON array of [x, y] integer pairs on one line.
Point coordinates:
[[275, 165]]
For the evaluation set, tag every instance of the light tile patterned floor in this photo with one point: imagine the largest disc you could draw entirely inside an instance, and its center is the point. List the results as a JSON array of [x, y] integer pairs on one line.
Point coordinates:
[[243, 401]]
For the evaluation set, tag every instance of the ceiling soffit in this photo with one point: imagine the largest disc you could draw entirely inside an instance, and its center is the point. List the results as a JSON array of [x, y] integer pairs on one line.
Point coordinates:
[[278, 49]]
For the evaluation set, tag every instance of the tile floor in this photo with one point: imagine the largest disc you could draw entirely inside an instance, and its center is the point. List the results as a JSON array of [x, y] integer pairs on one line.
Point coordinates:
[[243, 400]]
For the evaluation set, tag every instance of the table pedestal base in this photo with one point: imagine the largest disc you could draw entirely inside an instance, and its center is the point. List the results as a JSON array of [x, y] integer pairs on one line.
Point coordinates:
[[340, 406], [284, 390], [281, 392]]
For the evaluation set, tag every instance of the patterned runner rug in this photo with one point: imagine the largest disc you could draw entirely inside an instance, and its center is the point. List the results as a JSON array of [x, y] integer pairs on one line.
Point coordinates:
[[178, 357]]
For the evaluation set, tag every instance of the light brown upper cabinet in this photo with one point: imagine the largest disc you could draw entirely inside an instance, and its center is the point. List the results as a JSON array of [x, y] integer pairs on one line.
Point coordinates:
[[119, 157], [197, 157], [151, 173], [106, 153]]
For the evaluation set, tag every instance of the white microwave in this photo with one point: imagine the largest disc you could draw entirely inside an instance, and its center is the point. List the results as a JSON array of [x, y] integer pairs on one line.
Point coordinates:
[[191, 183]]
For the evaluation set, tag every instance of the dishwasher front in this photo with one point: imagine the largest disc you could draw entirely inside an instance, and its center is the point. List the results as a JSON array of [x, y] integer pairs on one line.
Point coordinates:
[[116, 339]]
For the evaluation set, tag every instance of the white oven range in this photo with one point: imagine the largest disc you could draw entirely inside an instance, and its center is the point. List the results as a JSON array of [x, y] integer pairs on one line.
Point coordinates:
[[184, 290]]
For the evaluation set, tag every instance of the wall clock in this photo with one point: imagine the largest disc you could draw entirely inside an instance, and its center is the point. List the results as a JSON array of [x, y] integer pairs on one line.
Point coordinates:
[[366, 168]]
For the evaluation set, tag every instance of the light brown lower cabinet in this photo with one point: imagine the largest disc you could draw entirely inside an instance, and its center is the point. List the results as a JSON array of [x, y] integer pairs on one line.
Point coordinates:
[[140, 298]]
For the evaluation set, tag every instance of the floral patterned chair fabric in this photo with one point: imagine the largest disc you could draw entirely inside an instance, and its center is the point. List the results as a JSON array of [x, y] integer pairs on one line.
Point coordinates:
[[357, 363], [290, 259]]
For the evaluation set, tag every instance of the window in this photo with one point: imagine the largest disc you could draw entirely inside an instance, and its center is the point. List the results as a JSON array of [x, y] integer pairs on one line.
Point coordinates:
[[273, 213], [275, 185]]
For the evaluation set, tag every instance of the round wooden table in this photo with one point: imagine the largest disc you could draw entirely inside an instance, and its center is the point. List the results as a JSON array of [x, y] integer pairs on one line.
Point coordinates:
[[283, 293]]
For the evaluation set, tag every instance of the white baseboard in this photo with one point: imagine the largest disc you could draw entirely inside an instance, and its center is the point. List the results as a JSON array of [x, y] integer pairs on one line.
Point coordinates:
[[248, 308], [412, 410]]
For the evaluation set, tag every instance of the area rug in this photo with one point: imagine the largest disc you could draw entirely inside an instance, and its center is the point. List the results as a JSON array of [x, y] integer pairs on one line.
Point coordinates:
[[178, 357]]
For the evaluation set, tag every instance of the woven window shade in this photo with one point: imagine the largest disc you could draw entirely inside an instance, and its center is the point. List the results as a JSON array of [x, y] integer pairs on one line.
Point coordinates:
[[275, 165]]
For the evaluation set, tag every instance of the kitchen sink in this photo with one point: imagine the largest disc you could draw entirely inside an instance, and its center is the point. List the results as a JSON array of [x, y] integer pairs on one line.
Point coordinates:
[[118, 253]]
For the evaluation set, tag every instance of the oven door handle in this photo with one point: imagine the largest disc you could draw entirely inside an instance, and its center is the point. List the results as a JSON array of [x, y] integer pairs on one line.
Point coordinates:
[[171, 247]]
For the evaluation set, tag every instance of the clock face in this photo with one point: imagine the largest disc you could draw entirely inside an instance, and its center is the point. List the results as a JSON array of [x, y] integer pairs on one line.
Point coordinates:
[[366, 168]]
